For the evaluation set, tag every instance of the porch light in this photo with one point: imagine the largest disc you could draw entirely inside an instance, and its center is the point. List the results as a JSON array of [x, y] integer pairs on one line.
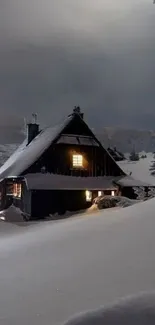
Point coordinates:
[[88, 196], [77, 161]]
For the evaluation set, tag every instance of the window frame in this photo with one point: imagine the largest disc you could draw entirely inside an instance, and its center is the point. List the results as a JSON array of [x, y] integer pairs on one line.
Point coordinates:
[[77, 160]]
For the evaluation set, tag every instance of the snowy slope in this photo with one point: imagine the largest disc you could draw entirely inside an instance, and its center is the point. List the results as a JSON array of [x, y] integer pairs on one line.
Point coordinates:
[[140, 169], [55, 269]]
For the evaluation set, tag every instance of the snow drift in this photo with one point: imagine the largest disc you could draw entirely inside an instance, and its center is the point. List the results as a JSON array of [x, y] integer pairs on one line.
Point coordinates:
[[135, 310], [53, 270]]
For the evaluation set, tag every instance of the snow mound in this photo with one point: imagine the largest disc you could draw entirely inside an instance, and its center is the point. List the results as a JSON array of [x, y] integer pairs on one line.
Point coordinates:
[[53, 270], [105, 202], [11, 215], [134, 310]]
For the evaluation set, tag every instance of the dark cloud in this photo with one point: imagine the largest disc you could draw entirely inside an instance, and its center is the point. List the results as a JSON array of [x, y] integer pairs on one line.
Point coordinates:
[[96, 54]]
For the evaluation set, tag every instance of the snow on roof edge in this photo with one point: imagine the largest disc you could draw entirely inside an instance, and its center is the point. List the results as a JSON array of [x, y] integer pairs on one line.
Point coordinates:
[[18, 161]]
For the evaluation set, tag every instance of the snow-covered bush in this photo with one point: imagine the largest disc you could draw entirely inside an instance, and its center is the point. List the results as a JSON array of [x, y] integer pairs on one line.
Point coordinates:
[[134, 156], [105, 202], [152, 167]]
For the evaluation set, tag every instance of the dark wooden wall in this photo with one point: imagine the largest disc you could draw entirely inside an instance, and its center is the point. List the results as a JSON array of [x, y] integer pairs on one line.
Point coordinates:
[[5, 201], [58, 159], [40, 203], [47, 202]]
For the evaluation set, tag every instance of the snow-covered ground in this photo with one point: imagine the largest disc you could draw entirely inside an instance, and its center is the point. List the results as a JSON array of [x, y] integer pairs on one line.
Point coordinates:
[[52, 270], [140, 169]]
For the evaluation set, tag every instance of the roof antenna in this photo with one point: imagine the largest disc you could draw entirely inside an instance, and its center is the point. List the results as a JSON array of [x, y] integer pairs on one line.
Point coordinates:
[[34, 116]]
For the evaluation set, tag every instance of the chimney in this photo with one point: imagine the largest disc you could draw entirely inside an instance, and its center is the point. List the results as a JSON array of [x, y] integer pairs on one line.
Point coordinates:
[[77, 111], [32, 129]]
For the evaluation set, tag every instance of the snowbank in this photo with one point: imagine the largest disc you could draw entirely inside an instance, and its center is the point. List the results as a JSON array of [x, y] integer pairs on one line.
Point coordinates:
[[134, 310], [11, 215], [11, 222], [56, 269]]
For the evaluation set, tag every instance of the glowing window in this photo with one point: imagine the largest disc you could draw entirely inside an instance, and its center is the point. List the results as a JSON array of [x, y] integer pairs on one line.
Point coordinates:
[[113, 193], [88, 196], [77, 161], [17, 190], [100, 193]]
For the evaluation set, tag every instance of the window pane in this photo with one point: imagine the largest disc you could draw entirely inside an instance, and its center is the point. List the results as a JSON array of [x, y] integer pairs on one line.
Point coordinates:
[[17, 190], [77, 161], [88, 196]]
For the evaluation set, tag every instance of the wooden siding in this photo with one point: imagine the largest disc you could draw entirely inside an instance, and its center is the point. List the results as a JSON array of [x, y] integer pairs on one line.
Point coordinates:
[[58, 159], [50, 202]]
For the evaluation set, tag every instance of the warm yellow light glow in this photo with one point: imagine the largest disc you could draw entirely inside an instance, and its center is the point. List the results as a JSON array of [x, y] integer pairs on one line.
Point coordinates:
[[17, 190], [113, 193], [100, 193], [77, 161], [88, 196]]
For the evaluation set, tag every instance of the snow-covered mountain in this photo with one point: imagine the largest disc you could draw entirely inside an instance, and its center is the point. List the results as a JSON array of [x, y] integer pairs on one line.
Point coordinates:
[[123, 139], [126, 139]]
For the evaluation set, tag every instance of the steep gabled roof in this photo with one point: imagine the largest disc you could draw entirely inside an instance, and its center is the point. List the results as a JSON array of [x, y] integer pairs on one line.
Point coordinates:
[[129, 181], [118, 156], [26, 155]]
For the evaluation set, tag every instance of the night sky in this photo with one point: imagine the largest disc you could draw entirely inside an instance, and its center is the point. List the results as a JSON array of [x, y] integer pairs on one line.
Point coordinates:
[[100, 54]]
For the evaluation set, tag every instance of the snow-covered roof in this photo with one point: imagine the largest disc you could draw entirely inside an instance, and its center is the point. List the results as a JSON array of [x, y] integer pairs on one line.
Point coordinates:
[[26, 155], [54, 181], [128, 181], [7, 165]]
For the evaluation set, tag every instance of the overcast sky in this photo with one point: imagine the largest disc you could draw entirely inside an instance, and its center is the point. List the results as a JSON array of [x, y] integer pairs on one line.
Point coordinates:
[[99, 54]]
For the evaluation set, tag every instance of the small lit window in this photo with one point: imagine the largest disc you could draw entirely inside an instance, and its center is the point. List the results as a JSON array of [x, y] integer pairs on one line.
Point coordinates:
[[100, 193], [17, 190], [88, 196], [112, 193], [77, 161]]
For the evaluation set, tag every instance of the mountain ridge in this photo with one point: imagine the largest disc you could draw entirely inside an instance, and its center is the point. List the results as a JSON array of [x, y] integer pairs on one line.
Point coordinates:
[[124, 139]]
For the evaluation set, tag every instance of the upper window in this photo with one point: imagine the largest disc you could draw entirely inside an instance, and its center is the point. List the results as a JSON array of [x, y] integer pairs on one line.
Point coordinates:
[[77, 161]]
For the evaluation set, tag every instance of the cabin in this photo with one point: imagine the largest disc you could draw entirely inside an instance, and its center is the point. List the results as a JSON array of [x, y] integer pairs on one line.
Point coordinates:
[[58, 169]]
